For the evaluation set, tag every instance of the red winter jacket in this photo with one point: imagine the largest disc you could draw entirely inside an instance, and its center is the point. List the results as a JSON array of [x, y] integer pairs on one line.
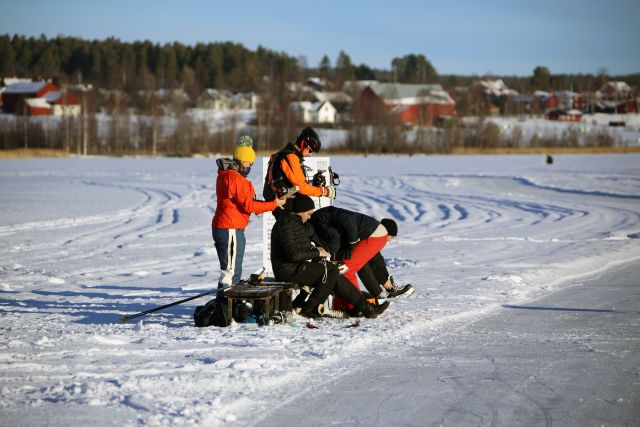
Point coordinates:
[[236, 202]]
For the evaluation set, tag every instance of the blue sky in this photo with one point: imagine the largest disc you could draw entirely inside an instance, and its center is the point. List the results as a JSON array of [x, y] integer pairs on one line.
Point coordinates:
[[458, 37]]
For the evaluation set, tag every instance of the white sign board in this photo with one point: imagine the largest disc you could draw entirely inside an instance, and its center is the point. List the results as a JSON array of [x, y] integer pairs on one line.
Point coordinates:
[[312, 166]]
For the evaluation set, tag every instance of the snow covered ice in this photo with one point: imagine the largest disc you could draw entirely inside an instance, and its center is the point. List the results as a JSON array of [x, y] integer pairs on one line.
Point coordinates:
[[88, 240]]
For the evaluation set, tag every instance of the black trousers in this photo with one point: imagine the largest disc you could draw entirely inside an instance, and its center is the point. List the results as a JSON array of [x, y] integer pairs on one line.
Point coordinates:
[[374, 274], [325, 279]]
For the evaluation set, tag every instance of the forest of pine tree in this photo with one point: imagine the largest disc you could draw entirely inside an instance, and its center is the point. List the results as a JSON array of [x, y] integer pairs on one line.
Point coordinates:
[[133, 70], [113, 64]]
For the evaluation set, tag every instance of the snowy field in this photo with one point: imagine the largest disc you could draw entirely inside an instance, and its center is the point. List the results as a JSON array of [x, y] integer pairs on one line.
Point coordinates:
[[88, 240]]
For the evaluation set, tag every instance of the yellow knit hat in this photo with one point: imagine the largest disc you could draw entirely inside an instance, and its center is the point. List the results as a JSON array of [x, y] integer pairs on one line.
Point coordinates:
[[244, 149]]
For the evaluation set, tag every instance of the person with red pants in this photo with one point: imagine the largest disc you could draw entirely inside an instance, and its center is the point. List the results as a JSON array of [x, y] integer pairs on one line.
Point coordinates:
[[352, 237], [379, 283]]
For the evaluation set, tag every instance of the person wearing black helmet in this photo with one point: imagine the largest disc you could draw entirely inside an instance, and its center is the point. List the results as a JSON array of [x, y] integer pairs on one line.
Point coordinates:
[[285, 169]]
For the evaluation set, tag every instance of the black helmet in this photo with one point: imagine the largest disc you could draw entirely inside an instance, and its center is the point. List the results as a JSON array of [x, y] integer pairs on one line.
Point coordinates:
[[310, 138]]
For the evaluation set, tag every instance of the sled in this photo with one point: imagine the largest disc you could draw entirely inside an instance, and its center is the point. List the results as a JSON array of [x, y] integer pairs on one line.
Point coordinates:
[[265, 296]]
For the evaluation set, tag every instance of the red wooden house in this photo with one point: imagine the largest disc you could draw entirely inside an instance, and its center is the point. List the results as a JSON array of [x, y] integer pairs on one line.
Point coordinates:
[[38, 98], [414, 104], [14, 96]]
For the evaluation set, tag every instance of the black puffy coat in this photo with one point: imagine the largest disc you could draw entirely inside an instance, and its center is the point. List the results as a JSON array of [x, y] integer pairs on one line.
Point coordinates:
[[335, 227], [290, 245]]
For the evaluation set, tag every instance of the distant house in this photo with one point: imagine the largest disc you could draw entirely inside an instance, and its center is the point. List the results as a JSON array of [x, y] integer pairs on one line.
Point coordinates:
[[316, 83], [14, 96], [245, 101], [493, 88], [340, 100], [616, 97], [8, 81], [214, 99], [314, 112], [63, 103], [39, 98], [415, 104], [494, 93], [356, 86], [563, 100]]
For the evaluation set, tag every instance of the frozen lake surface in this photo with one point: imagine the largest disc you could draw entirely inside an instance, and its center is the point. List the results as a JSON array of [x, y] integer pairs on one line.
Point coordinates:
[[87, 240]]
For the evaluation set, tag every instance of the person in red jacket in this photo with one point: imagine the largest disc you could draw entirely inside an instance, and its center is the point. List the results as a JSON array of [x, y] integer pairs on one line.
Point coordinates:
[[235, 203]]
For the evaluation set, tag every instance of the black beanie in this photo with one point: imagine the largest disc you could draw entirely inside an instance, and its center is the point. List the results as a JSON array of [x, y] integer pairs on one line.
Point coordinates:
[[302, 203], [391, 226]]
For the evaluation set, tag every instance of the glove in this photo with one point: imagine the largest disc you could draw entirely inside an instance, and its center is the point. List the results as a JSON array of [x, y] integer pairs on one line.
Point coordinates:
[[348, 251], [329, 192], [319, 180]]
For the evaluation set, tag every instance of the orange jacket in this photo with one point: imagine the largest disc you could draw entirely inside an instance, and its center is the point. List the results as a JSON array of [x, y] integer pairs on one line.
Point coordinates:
[[292, 169], [235, 195]]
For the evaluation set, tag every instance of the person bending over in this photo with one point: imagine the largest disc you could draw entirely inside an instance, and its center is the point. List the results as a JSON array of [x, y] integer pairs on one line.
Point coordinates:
[[294, 258]]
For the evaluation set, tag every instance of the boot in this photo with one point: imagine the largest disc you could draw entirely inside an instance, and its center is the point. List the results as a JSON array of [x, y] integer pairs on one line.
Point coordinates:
[[397, 291], [310, 311], [300, 299], [371, 311], [336, 314]]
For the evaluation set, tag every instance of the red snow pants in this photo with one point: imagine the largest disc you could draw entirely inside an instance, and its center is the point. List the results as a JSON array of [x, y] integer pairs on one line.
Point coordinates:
[[362, 253]]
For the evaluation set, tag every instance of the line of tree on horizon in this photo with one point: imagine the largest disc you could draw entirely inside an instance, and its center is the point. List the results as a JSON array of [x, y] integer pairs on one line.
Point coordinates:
[[143, 65], [134, 122]]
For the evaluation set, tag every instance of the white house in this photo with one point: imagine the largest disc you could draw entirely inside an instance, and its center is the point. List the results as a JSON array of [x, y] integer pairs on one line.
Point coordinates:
[[214, 99], [245, 101], [314, 112], [59, 108]]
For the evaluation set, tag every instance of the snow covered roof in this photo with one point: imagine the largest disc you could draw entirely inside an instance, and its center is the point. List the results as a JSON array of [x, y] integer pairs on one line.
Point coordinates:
[[52, 97], [8, 81], [407, 94], [616, 87], [37, 103], [340, 97], [25, 87], [318, 82], [309, 106], [351, 85], [495, 87]]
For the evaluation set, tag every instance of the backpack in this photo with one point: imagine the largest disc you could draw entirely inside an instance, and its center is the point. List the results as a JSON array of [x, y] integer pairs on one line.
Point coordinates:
[[214, 313], [275, 182]]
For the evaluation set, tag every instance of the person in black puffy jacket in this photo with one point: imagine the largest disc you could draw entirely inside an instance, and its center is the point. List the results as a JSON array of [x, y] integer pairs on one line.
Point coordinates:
[[294, 258]]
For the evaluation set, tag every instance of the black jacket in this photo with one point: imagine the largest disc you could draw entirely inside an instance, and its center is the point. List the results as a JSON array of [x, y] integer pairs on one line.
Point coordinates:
[[290, 245], [335, 227]]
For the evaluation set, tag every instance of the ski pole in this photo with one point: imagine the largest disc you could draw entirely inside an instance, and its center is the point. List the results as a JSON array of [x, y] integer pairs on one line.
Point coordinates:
[[125, 319]]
